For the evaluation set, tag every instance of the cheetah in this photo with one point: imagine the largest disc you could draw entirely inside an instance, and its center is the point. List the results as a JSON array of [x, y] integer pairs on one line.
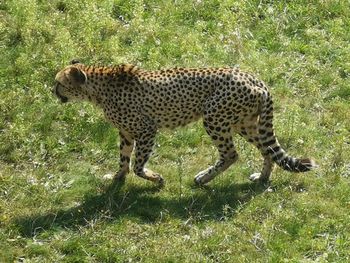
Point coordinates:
[[140, 102]]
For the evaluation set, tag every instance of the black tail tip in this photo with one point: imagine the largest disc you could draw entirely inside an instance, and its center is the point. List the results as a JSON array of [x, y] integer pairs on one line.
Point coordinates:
[[304, 165]]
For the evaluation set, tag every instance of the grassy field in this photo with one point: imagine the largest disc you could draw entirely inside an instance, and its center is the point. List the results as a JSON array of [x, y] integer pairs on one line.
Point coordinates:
[[55, 205]]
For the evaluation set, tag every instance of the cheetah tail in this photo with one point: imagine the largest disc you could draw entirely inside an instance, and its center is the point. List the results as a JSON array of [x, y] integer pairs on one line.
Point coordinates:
[[270, 144]]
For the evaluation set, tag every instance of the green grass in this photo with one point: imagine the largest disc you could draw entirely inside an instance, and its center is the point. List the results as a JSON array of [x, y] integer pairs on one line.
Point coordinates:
[[55, 205]]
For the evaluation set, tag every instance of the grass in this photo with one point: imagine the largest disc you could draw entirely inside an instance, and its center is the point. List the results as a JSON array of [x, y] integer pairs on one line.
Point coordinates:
[[55, 205]]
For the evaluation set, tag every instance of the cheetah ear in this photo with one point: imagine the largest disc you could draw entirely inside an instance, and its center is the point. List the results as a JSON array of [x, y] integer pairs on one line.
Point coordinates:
[[77, 76], [74, 61]]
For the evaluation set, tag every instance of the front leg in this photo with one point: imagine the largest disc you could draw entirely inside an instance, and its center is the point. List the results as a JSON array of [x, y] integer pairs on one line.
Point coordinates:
[[126, 147], [144, 145]]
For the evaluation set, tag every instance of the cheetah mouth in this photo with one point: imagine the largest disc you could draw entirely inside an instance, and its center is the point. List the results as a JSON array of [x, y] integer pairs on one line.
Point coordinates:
[[62, 98]]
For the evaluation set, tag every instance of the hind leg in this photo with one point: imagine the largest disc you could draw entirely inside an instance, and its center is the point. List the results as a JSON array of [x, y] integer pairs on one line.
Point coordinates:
[[249, 131], [222, 139], [264, 175]]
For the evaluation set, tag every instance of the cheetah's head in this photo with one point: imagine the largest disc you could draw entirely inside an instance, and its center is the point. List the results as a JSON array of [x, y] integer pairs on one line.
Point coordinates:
[[70, 84]]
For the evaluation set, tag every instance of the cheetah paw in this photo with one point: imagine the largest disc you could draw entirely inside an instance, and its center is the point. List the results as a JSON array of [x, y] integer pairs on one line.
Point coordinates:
[[154, 177], [108, 176], [256, 177], [202, 178]]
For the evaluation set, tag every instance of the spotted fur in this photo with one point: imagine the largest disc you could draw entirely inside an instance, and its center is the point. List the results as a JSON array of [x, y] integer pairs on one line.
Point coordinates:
[[140, 102]]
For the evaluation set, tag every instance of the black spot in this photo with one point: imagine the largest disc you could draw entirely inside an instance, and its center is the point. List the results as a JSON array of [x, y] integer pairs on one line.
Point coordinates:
[[262, 131], [269, 134], [268, 143]]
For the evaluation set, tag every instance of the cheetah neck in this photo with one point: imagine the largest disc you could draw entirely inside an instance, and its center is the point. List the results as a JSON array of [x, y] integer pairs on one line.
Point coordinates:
[[99, 78], [109, 70]]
